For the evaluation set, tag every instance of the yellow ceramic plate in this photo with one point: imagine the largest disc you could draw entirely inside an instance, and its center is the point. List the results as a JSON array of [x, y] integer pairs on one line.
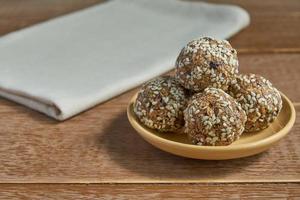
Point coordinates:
[[249, 144]]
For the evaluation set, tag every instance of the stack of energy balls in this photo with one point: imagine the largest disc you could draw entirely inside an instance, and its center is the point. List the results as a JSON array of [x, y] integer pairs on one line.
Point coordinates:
[[208, 99]]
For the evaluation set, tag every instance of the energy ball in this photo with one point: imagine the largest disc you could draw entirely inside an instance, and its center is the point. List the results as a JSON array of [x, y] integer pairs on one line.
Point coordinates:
[[160, 104], [206, 62], [213, 118], [260, 100]]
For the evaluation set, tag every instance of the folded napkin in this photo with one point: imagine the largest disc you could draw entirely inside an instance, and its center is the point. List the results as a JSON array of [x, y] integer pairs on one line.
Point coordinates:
[[69, 64]]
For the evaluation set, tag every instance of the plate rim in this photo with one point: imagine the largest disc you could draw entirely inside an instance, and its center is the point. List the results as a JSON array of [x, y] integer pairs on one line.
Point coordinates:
[[256, 144]]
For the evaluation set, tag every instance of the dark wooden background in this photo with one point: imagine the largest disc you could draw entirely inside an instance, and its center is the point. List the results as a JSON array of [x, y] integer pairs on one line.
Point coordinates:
[[98, 154]]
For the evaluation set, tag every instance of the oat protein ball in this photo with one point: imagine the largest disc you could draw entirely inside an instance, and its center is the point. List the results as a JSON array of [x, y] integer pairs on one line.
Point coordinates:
[[213, 118], [206, 62], [261, 101], [160, 104]]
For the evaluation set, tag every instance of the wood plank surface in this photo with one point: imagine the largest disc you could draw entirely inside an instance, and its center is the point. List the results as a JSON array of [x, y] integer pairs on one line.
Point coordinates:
[[273, 191], [41, 158], [100, 146], [274, 26], [263, 35], [283, 70]]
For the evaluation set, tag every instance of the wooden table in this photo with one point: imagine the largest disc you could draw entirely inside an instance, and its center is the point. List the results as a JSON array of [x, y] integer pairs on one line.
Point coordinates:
[[98, 154]]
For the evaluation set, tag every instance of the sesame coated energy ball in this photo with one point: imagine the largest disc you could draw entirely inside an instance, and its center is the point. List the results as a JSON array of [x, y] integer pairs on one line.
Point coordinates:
[[160, 104], [260, 100], [206, 62], [213, 118]]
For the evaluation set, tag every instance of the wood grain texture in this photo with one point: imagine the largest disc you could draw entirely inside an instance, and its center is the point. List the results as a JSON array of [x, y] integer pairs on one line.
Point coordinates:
[[274, 26], [100, 146], [263, 35], [16, 14], [149, 191], [283, 70]]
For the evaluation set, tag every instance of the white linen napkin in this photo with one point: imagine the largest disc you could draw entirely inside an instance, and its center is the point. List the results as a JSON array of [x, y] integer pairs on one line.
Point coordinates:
[[66, 65]]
